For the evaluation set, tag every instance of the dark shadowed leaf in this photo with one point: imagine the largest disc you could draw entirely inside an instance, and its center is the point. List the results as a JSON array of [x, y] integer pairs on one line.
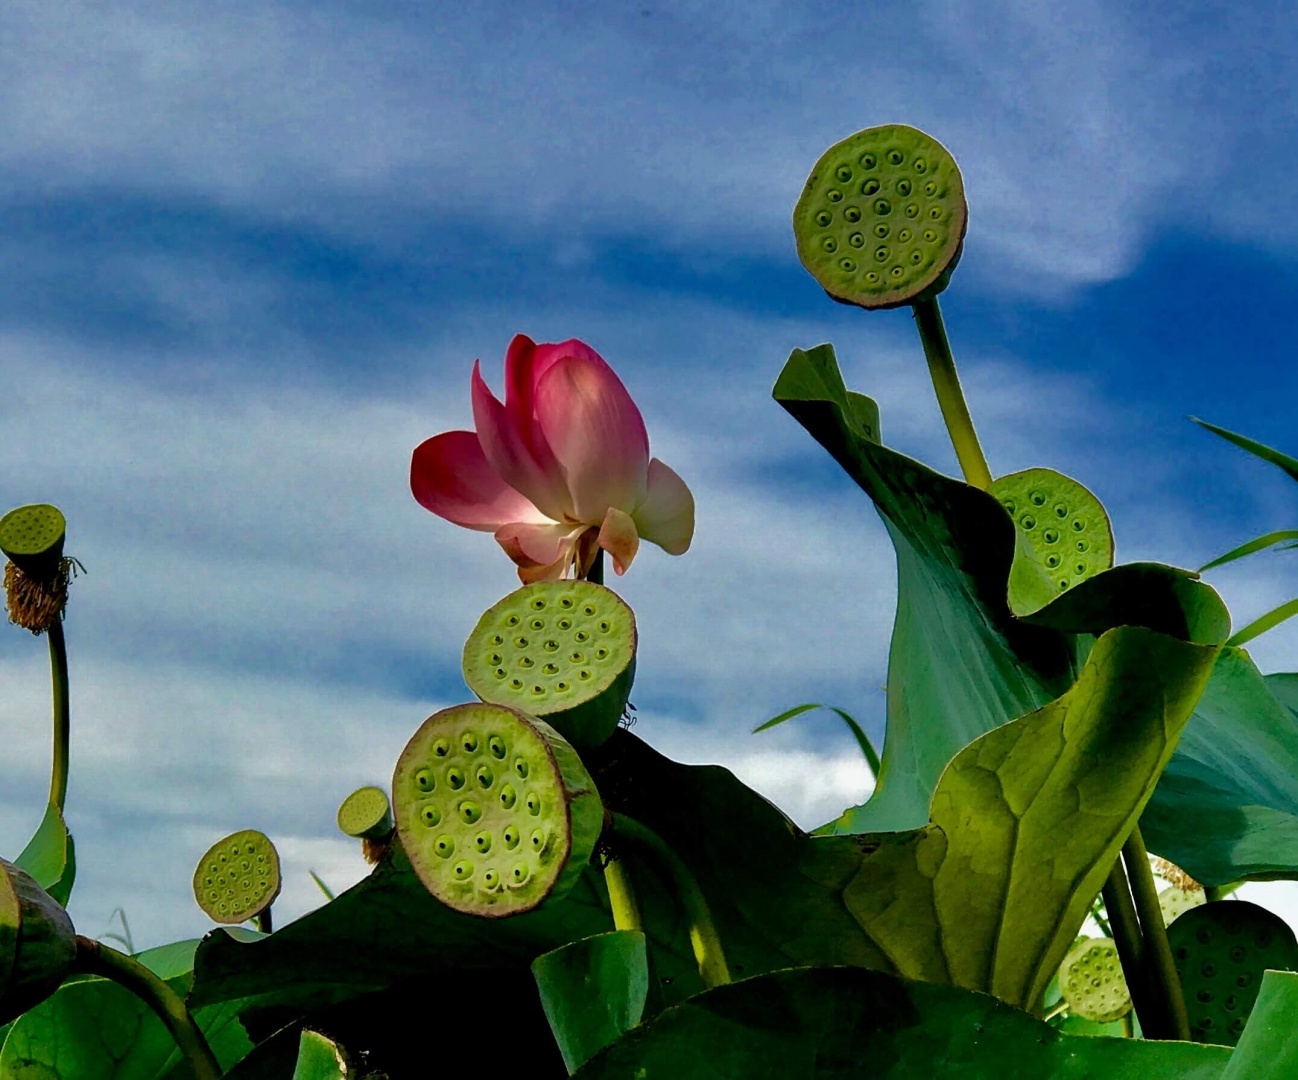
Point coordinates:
[[841, 1023]]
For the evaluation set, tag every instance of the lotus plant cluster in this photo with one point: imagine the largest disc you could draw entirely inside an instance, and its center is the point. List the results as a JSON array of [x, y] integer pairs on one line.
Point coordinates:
[[1081, 765]]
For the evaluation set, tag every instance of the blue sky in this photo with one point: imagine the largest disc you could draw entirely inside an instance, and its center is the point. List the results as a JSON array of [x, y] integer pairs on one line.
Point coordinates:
[[248, 253]]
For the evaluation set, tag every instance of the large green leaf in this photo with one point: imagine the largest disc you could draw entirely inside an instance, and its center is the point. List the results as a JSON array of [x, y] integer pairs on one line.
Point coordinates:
[[50, 856], [841, 1023], [1227, 806], [1027, 821], [1269, 1045], [320, 1058], [593, 990], [1025, 824], [960, 663], [381, 931], [93, 1029]]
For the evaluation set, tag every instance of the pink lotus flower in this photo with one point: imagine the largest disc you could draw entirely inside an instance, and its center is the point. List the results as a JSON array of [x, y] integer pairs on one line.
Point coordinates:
[[558, 471]]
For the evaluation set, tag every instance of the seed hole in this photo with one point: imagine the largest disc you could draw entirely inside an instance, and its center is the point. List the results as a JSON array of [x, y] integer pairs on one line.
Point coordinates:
[[870, 187]]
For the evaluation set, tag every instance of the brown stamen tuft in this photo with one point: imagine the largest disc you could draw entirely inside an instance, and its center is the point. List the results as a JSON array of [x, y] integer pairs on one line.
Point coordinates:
[[36, 604], [1174, 875]]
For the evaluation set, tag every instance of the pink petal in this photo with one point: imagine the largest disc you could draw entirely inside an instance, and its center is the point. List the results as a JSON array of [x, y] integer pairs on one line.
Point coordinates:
[[539, 549], [450, 475], [511, 456], [526, 362], [596, 433], [619, 538], [666, 517]]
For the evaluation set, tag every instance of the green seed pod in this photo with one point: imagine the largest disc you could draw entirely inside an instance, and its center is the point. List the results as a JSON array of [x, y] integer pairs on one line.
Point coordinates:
[[494, 809], [238, 878], [1091, 981], [560, 650], [1174, 902], [1221, 950], [37, 943], [31, 537], [366, 814], [1062, 535], [882, 219]]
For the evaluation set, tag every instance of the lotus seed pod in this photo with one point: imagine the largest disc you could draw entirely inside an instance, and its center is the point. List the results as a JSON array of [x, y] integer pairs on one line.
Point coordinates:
[[1221, 950], [882, 219], [32, 538], [560, 650], [1062, 536], [37, 943], [1091, 981], [1174, 902], [238, 878], [366, 814], [494, 809]]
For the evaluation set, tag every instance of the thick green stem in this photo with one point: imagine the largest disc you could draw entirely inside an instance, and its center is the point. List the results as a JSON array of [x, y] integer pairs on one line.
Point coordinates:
[[621, 897], [955, 411], [262, 921], [703, 932], [1125, 925], [62, 720], [96, 958], [1160, 965]]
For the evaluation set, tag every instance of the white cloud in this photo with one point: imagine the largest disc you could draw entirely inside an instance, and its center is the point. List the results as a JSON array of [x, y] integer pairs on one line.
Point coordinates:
[[694, 125]]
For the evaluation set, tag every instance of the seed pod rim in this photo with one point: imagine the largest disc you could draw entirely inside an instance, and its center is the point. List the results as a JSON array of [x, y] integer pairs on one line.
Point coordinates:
[[944, 263], [580, 806], [277, 878]]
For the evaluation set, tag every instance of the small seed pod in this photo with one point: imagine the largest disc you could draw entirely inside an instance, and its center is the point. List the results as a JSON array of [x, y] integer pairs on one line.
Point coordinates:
[[367, 815], [32, 538], [37, 943], [1175, 901], [1221, 950], [238, 878], [882, 219], [1091, 981], [37, 573], [494, 809], [560, 650], [1063, 535]]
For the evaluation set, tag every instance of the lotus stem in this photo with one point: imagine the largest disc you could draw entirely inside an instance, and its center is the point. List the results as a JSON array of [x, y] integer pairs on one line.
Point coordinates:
[[703, 932], [1158, 953], [1125, 924], [96, 958], [1220, 892], [262, 921], [955, 410], [62, 718], [621, 897]]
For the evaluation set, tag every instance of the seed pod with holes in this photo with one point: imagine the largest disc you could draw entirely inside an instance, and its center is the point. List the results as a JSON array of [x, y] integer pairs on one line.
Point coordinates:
[[238, 878], [1221, 950], [882, 219], [1175, 901], [494, 809], [1062, 535], [37, 943], [1091, 981], [31, 537], [366, 814], [560, 650]]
